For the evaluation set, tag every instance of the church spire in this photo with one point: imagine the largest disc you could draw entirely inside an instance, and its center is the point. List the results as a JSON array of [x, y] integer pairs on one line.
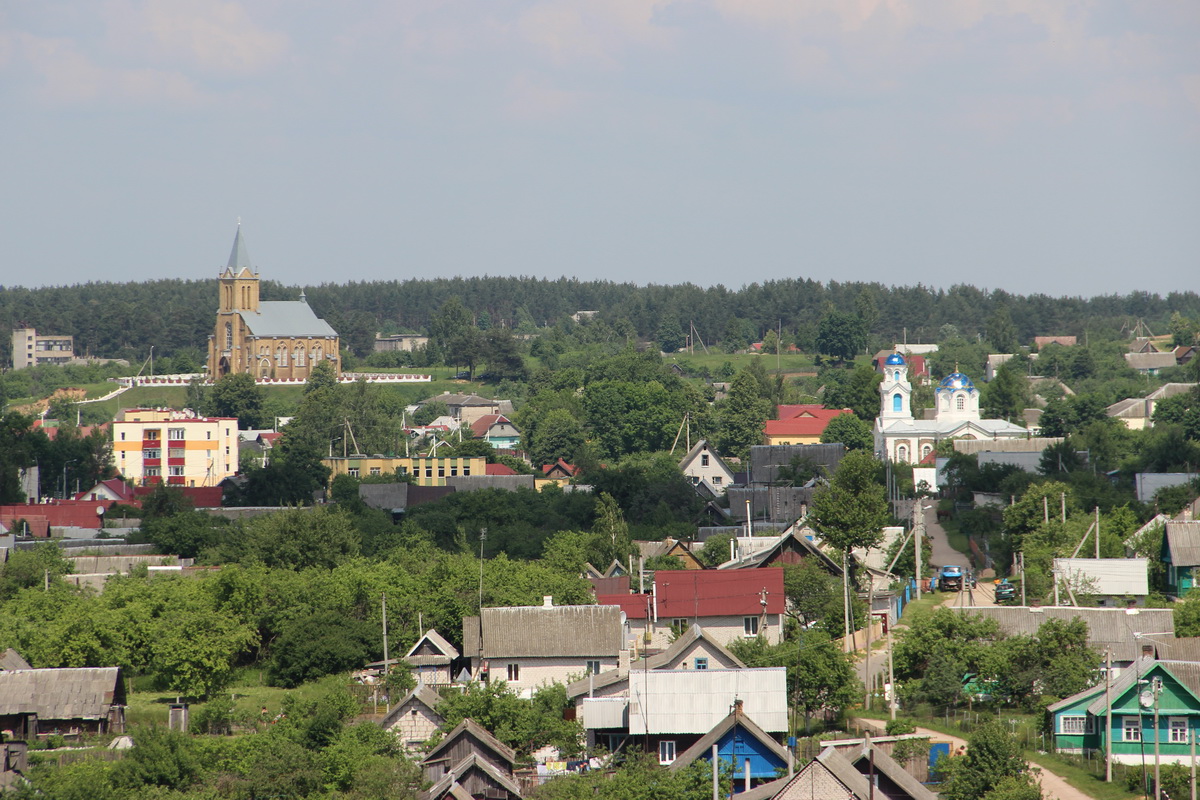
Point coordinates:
[[239, 257]]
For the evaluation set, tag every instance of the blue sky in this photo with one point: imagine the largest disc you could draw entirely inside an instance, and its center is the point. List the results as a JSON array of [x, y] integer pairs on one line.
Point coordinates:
[[1025, 145]]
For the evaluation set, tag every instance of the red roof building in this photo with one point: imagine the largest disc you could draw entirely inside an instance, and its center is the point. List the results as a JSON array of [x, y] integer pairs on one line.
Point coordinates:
[[727, 604], [499, 469], [800, 424], [560, 469]]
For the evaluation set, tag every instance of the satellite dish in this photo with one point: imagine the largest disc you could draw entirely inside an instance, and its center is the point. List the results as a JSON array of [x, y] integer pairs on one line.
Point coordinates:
[[1146, 698], [99, 511]]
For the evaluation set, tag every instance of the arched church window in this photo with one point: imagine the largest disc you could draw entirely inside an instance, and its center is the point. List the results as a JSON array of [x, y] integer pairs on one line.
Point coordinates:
[[896, 376], [897, 402], [299, 355], [316, 354], [281, 356], [902, 454], [961, 403], [945, 402], [925, 451]]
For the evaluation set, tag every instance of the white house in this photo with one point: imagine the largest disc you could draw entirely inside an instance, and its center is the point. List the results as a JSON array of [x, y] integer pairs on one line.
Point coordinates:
[[704, 465]]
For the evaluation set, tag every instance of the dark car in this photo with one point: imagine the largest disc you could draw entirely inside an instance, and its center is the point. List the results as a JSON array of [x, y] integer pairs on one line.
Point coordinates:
[[1006, 593]]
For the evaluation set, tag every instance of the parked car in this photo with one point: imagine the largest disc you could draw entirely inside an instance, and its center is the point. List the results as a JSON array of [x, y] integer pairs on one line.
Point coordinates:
[[1006, 593], [950, 579]]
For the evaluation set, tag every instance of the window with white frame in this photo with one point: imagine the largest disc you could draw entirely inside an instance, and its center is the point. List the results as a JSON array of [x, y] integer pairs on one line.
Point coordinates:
[[176, 452], [679, 624], [514, 672], [1073, 725], [1179, 730], [666, 751], [376, 470], [1131, 729], [176, 434], [176, 472], [716, 480], [593, 667], [750, 625], [352, 472], [152, 453], [704, 460]]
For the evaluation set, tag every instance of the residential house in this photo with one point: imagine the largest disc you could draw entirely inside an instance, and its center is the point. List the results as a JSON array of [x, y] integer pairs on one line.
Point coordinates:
[[415, 719], [1162, 693], [431, 658], [1115, 630], [470, 763], [397, 498], [1112, 582], [994, 362], [728, 605], [1137, 413], [559, 470], [673, 548], [868, 773], [774, 464], [496, 430], [467, 408], [672, 710], [402, 342], [704, 466], [794, 546], [534, 646], [754, 756], [800, 424], [1181, 555], [178, 448], [1185, 353], [37, 702], [1150, 363]]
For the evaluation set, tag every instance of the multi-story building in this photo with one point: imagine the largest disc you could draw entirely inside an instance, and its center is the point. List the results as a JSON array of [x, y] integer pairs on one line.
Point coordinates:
[[161, 445], [29, 349], [425, 471]]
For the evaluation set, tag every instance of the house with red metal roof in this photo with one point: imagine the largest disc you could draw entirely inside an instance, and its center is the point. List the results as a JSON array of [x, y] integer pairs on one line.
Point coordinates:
[[727, 604], [800, 424]]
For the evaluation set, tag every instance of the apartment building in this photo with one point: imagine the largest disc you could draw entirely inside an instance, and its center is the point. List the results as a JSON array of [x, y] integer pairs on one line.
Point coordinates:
[[161, 445], [29, 349]]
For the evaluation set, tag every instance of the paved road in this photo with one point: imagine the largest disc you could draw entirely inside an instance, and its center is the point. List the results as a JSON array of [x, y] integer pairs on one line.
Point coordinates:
[[943, 553], [1053, 786]]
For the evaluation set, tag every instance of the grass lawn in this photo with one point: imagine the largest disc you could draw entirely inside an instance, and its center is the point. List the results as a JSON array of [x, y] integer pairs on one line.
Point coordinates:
[[250, 693], [713, 361]]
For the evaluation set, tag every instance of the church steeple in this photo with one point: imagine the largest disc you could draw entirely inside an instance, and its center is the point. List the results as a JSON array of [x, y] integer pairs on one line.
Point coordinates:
[[239, 281], [895, 390]]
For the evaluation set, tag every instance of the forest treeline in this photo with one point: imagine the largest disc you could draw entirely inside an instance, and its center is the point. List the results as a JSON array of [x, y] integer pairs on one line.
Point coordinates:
[[124, 319]]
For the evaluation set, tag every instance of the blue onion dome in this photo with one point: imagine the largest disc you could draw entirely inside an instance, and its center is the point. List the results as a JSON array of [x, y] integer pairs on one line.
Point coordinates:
[[956, 380], [895, 360]]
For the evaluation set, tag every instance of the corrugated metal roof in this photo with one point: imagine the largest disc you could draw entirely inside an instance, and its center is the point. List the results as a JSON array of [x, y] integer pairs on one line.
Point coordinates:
[[1105, 575], [694, 701], [73, 693], [286, 318], [546, 632], [1186, 672], [711, 593], [438, 641], [1108, 628], [1183, 543]]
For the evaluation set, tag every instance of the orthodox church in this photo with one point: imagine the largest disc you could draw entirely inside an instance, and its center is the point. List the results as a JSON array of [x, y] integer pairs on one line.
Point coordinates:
[[901, 438], [265, 338]]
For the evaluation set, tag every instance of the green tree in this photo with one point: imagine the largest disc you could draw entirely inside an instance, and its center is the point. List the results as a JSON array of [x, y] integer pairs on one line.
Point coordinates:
[[993, 755], [851, 431], [559, 435], [28, 568], [236, 395], [742, 415], [321, 644], [841, 336], [449, 321], [160, 757], [857, 390], [670, 337], [192, 654], [851, 511], [1007, 393], [321, 377]]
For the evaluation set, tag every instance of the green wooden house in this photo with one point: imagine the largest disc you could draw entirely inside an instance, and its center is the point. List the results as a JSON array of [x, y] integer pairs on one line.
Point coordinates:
[[1172, 688], [1181, 555]]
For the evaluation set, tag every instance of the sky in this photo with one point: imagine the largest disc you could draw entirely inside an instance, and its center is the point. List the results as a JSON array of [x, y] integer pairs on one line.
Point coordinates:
[[1024, 145]]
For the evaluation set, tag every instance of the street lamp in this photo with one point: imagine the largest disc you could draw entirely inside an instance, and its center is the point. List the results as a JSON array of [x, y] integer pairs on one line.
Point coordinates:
[[65, 484]]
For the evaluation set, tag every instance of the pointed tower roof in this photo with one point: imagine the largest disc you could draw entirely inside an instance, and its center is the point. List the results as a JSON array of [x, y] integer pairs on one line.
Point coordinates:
[[239, 257]]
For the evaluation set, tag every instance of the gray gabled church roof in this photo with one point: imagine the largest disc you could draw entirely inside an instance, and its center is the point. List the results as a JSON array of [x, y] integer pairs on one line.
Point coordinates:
[[286, 318]]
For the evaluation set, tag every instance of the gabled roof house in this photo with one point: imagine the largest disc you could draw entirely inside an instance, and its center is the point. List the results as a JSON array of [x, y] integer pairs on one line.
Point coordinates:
[[704, 466]]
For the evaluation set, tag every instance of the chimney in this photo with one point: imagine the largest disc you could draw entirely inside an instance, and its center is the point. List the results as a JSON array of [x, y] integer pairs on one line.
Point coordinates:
[[737, 708], [547, 601]]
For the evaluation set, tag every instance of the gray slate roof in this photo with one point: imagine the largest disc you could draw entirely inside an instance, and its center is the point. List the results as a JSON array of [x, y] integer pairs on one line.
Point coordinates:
[[469, 727], [10, 659], [1108, 628], [887, 765], [74, 693], [449, 786], [449, 651], [423, 695], [540, 632], [286, 318], [1183, 542]]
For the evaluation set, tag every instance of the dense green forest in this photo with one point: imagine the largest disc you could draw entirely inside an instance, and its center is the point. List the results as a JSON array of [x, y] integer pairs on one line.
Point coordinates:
[[124, 319]]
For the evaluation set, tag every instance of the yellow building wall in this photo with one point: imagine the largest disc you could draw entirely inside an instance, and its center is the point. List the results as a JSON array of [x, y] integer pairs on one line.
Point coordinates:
[[209, 448], [793, 440], [425, 471]]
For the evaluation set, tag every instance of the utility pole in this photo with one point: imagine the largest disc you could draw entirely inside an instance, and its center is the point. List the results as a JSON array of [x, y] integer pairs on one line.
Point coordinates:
[[1108, 715], [891, 676], [1022, 555], [387, 705], [918, 525]]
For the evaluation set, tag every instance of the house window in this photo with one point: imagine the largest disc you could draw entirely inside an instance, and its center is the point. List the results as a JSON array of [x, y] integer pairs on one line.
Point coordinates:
[[153, 472], [750, 625], [925, 450], [593, 667], [428, 472], [122, 436], [176, 452], [701, 663], [376, 471], [679, 624], [282, 356], [716, 480], [666, 751], [176, 472], [1073, 725], [1132, 729], [453, 470], [208, 434], [514, 672], [176, 434], [695, 480], [897, 402], [1179, 730], [466, 470], [704, 460], [153, 452], [352, 472], [152, 435], [441, 470]]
